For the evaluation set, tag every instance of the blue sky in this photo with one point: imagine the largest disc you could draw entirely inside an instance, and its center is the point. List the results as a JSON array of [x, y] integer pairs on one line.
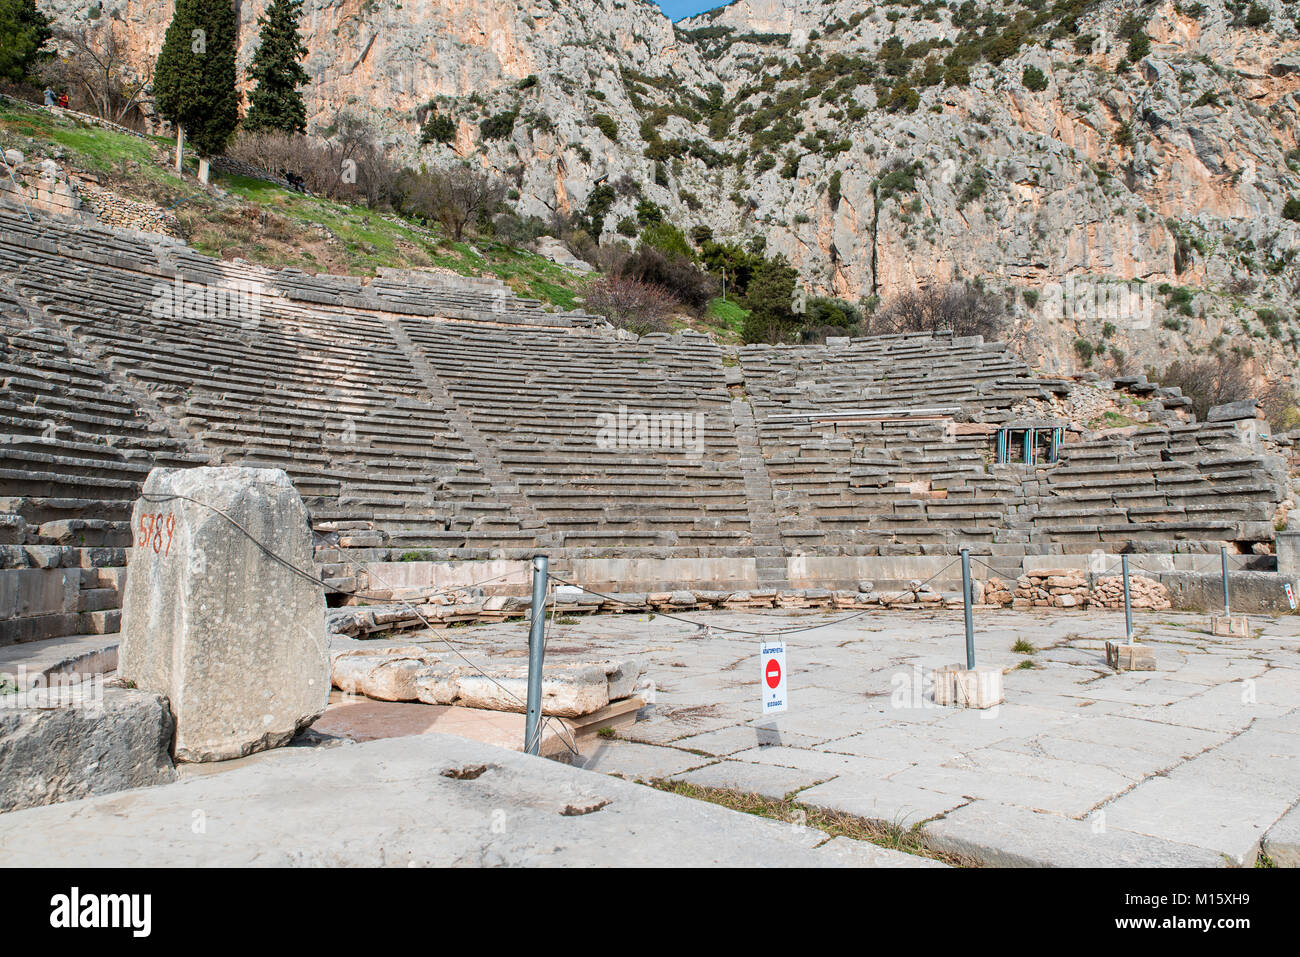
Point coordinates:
[[676, 9]]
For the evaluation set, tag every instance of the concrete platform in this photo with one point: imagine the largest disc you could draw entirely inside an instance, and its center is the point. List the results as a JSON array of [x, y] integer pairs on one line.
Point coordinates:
[[420, 800]]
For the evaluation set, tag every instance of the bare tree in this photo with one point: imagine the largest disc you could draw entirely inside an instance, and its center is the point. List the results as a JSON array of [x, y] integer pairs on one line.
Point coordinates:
[[456, 197], [1208, 382], [357, 164], [93, 62], [639, 307], [347, 167], [957, 307]]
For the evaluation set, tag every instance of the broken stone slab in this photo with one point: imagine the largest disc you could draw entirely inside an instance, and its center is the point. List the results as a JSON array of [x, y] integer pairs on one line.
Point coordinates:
[[566, 694], [384, 679], [234, 638], [622, 678], [413, 673], [1130, 657], [69, 740], [557, 816]]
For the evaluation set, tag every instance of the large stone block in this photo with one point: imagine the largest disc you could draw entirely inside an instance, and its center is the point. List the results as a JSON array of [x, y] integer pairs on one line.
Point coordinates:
[[1288, 555], [958, 687], [232, 636], [1130, 657], [1233, 411], [72, 740], [1230, 626]]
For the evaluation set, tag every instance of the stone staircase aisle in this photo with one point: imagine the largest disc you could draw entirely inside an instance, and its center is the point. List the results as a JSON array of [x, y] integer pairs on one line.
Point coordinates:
[[504, 486], [769, 549]]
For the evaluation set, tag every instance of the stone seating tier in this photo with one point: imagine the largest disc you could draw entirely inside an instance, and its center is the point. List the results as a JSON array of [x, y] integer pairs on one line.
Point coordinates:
[[426, 412]]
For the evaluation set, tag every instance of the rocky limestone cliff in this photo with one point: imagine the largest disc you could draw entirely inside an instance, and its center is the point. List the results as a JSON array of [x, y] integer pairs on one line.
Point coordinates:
[[1114, 182]]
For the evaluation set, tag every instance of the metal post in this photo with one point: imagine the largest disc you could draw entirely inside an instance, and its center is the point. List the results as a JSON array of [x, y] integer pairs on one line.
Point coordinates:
[[536, 635], [1223, 556], [965, 598], [1128, 608]]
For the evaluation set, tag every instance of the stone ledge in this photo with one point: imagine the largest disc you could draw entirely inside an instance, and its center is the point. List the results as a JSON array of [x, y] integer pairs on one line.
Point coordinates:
[[69, 741]]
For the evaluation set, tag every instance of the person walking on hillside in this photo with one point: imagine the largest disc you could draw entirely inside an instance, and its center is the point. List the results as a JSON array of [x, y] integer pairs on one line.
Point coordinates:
[[63, 101], [49, 97]]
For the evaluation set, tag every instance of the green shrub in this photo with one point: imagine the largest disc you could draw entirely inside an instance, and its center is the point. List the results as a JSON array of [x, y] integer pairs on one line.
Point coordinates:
[[606, 125], [648, 212], [1034, 79], [667, 238], [499, 126], [899, 179], [437, 129], [902, 97], [975, 187]]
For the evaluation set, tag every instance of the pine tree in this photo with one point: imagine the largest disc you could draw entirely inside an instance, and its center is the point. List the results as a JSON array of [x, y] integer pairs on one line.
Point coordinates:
[[276, 104], [194, 81]]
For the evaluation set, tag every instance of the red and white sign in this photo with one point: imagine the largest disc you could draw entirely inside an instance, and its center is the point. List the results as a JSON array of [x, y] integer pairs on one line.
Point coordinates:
[[1290, 595], [773, 684]]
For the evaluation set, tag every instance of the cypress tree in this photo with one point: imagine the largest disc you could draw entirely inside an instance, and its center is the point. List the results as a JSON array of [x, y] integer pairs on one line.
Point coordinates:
[[194, 80], [24, 31], [275, 103]]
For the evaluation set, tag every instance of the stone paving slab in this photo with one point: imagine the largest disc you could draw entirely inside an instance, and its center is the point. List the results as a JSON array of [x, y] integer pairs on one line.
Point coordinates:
[[1004, 836], [390, 803], [866, 854], [880, 800], [826, 764], [766, 780], [744, 737], [1131, 762], [637, 761], [1184, 765], [1229, 817]]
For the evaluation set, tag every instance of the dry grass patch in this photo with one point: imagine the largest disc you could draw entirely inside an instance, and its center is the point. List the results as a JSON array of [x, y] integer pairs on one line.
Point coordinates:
[[892, 835]]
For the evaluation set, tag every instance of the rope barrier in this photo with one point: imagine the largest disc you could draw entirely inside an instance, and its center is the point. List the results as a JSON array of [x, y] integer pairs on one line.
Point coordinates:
[[740, 631]]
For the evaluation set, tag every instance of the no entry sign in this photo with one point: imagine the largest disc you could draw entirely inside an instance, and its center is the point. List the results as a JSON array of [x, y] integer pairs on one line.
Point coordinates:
[[773, 681], [1290, 595]]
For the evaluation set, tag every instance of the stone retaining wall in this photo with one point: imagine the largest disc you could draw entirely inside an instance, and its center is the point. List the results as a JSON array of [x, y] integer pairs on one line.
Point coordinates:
[[49, 591], [118, 211]]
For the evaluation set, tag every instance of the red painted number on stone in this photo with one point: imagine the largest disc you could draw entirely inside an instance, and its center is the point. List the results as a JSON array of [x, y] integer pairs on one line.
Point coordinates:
[[152, 527]]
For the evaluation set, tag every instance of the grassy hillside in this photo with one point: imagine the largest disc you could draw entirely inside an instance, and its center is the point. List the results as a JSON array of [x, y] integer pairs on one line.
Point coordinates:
[[241, 217]]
